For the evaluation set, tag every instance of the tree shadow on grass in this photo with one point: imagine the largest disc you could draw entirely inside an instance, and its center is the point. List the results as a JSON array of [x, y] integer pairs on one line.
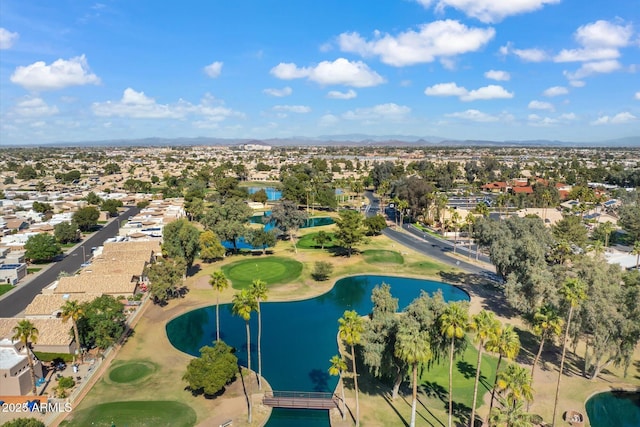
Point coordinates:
[[466, 369]]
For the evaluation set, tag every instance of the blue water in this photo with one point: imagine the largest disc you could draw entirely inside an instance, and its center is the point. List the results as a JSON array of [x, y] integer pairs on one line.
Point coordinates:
[[258, 219], [298, 338], [272, 193], [614, 409]]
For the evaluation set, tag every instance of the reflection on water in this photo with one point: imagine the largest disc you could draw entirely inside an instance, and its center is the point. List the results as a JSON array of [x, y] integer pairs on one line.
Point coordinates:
[[298, 338]]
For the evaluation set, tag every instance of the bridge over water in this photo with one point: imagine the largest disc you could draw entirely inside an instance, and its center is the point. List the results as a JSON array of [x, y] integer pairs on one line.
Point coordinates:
[[300, 400]]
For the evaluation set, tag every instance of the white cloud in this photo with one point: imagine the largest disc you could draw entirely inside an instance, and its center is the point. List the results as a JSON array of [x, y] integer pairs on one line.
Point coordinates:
[[619, 118], [527, 55], [293, 108], [568, 116], [487, 92], [536, 120], [214, 69], [498, 75], [137, 105], [489, 10], [604, 34], [452, 89], [599, 40], [328, 120], [577, 83], [586, 54], [335, 94], [34, 107], [278, 93], [7, 38], [445, 89], [590, 68], [60, 74], [443, 38], [541, 105], [555, 91], [474, 116], [339, 72], [389, 111], [637, 96]]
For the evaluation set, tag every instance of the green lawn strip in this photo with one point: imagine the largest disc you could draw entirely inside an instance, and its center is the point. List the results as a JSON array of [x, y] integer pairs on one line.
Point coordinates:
[[5, 288], [139, 413], [377, 256], [33, 270], [48, 357], [131, 371], [307, 241], [435, 381], [272, 270]]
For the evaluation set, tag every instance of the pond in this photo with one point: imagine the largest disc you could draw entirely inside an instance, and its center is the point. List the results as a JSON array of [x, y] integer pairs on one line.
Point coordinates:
[[614, 409], [268, 225], [298, 338], [273, 194]]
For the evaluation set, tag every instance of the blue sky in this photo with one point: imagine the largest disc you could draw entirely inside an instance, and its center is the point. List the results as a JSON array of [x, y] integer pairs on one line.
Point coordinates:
[[72, 70]]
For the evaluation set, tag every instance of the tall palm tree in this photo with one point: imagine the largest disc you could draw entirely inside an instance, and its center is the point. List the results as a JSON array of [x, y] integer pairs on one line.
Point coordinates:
[[470, 220], [72, 310], [414, 347], [485, 325], [636, 252], [512, 414], [607, 228], [402, 207], [454, 322], [27, 333], [455, 221], [546, 325], [382, 190], [441, 203], [515, 384], [350, 331], [243, 305], [338, 366], [573, 291], [258, 290], [506, 343], [218, 282]]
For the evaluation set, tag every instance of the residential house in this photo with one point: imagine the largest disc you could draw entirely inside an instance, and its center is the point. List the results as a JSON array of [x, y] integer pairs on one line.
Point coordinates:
[[54, 335], [14, 368]]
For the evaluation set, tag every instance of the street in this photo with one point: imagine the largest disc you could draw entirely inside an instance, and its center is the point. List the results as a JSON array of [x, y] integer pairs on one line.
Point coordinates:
[[15, 301]]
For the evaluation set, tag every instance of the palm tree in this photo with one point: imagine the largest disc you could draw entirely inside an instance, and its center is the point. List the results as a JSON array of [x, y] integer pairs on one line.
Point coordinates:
[[27, 333], [350, 331], [338, 366], [515, 383], [636, 252], [441, 203], [258, 290], [243, 305], [512, 414], [546, 325], [453, 325], [72, 310], [506, 343], [402, 206], [546, 201], [485, 325], [218, 282], [470, 220], [607, 228], [414, 347], [455, 222], [573, 291], [382, 190]]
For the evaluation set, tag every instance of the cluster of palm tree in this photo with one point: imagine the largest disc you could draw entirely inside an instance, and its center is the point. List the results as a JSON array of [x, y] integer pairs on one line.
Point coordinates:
[[415, 346], [244, 303]]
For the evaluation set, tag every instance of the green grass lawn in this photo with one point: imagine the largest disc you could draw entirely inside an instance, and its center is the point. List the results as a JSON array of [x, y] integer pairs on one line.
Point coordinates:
[[272, 270], [135, 413], [33, 270], [131, 371], [307, 242], [5, 288], [435, 381], [377, 256]]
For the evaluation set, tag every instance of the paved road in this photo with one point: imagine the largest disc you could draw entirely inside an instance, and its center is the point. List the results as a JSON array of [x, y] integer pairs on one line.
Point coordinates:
[[17, 300], [436, 248]]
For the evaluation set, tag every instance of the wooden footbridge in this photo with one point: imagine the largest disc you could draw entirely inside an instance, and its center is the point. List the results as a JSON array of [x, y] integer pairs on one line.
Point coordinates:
[[300, 400]]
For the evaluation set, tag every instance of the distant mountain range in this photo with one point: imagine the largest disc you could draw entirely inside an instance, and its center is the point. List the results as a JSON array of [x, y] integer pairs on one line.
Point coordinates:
[[352, 140]]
